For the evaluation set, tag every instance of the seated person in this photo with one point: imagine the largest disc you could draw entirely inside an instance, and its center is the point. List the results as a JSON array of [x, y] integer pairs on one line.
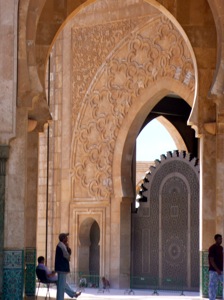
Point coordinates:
[[106, 283], [51, 275]]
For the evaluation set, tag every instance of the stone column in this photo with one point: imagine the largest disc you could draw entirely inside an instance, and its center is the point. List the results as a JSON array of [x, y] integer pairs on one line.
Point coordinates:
[[15, 228], [4, 154], [120, 242], [211, 170], [125, 243], [115, 242], [208, 189], [219, 180], [31, 210], [207, 204]]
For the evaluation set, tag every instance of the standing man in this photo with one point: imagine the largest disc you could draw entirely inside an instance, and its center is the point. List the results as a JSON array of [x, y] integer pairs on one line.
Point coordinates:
[[62, 267], [215, 259]]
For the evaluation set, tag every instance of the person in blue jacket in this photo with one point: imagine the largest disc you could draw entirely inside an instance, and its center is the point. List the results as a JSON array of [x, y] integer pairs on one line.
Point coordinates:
[[62, 267]]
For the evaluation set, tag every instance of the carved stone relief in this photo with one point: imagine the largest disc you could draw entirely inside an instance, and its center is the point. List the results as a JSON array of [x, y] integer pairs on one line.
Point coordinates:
[[152, 51], [98, 41]]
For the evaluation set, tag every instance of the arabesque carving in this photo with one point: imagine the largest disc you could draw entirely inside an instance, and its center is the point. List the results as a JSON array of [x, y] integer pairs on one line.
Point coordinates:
[[154, 50], [98, 42]]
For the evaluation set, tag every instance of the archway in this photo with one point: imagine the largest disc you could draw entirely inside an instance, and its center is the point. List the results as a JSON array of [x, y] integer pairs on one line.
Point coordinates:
[[166, 226], [180, 144], [172, 113], [142, 69], [89, 251], [103, 110], [154, 141]]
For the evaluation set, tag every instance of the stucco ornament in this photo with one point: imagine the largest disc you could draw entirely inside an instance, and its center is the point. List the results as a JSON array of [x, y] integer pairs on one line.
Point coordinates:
[[154, 50]]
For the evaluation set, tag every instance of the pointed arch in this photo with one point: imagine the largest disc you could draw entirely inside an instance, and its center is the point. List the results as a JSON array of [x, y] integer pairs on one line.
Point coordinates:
[[178, 140]]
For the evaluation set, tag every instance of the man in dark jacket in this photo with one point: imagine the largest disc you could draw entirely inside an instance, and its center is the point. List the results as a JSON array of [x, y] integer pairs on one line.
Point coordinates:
[[62, 267], [215, 259]]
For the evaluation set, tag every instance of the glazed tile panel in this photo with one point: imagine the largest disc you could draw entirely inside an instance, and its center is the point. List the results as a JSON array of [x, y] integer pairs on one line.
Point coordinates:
[[13, 270], [30, 275], [205, 276]]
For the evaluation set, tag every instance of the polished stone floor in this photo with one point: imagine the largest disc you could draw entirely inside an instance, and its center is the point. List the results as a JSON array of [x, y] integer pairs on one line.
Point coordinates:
[[114, 294]]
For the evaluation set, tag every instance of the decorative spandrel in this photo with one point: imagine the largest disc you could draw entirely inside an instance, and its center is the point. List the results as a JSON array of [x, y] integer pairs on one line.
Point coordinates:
[[103, 100]]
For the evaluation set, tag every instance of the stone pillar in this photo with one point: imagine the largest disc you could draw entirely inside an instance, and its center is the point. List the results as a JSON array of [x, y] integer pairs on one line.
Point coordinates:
[[4, 154], [115, 242], [42, 195], [211, 170], [120, 242], [219, 185], [15, 229], [219, 178], [32, 179], [207, 204], [31, 206], [208, 190], [125, 243]]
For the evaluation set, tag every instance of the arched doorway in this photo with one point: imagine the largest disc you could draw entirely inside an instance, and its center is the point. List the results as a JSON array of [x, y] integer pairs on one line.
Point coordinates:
[[100, 113], [165, 228], [89, 252]]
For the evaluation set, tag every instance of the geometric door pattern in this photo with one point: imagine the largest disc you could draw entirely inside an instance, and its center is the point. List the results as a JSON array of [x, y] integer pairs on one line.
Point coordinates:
[[165, 248]]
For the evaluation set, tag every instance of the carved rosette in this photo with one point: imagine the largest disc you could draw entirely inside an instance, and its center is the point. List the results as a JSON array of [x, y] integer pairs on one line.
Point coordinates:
[[154, 50]]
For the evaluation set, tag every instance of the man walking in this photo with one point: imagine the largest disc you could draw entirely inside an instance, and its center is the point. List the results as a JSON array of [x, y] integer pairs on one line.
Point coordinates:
[[215, 259], [62, 267]]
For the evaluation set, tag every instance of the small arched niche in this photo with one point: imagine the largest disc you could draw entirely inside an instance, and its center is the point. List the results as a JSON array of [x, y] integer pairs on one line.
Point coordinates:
[[89, 251]]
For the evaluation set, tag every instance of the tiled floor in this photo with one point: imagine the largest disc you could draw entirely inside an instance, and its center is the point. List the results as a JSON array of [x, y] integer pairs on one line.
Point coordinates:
[[93, 294]]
